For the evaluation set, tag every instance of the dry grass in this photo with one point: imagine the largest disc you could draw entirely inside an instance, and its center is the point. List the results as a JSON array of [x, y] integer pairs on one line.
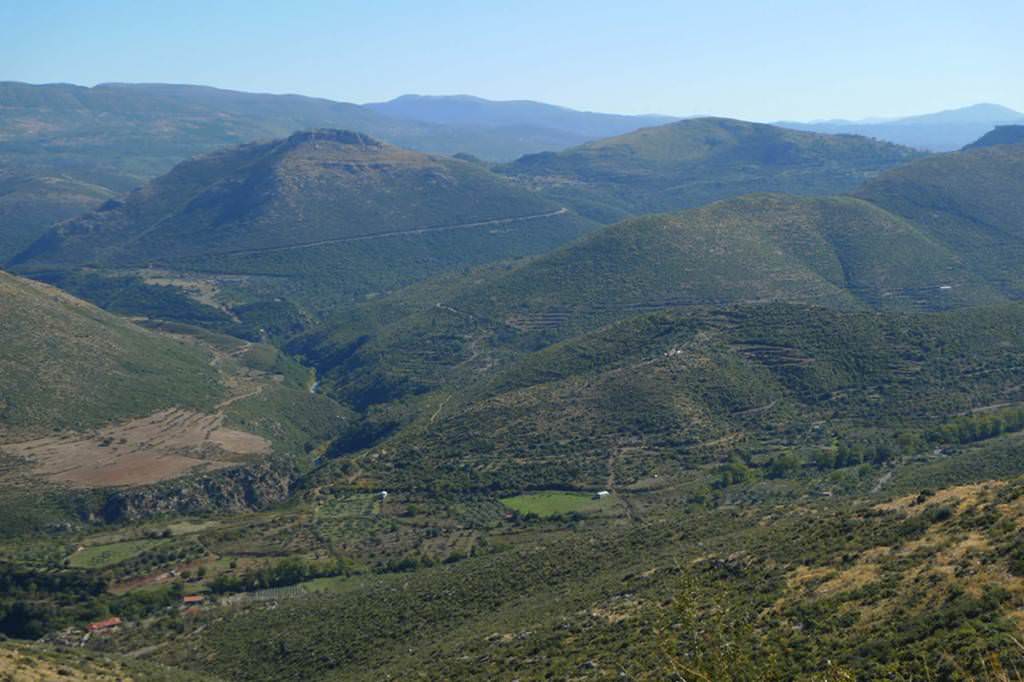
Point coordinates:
[[963, 495], [19, 664]]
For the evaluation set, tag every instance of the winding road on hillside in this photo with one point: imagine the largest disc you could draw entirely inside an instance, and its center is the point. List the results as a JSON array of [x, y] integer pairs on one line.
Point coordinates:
[[396, 233]]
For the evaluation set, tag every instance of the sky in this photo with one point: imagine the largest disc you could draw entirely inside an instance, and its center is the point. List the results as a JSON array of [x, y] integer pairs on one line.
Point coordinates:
[[761, 60]]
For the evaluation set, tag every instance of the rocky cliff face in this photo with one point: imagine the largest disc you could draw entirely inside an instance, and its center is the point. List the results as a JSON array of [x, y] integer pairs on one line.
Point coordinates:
[[245, 488], [331, 135]]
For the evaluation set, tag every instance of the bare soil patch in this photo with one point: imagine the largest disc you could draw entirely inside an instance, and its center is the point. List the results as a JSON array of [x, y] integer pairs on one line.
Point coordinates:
[[163, 445]]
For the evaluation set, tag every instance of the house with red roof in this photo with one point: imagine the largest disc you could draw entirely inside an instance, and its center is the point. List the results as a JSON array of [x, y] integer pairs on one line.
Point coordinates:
[[104, 624]]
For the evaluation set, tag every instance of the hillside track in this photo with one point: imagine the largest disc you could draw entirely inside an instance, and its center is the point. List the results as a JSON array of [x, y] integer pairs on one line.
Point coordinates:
[[396, 233]]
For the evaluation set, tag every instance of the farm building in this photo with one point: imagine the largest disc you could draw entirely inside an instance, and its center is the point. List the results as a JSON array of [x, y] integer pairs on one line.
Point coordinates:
[[601, 494], [192, 599], [104, 624]]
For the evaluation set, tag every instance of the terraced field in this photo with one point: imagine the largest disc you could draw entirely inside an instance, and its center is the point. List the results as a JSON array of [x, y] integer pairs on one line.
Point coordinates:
[[163, 445]]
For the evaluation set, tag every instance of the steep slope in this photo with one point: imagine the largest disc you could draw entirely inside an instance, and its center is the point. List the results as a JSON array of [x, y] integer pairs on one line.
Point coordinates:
[[1004, 134], [696, 161], [465, 110], [64, 146], [969, 201], [68, 365], [31, 204], [327, 205], [939, 132]]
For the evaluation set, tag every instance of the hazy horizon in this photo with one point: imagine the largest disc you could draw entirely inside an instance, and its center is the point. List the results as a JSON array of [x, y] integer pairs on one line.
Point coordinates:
[[850, 119], [742, 61]]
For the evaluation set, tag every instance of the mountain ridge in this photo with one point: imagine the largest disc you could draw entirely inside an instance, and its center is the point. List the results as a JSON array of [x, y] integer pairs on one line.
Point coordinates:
[[695, 161], [477, 111]]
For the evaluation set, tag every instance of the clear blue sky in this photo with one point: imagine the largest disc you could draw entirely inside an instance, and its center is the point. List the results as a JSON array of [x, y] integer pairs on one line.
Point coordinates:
[[759, 60]]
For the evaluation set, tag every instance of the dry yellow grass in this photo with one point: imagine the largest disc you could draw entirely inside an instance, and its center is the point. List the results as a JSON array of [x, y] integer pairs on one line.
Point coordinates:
[[20, 664], [948, 558], [964, 495]]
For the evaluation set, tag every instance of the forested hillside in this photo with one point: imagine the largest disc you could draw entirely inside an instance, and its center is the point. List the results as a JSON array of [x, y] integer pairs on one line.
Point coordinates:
[[917, 238], [697, 161]]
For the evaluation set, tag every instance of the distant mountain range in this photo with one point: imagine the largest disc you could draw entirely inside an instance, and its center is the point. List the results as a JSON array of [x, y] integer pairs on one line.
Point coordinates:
[[65, 148], [465, 110], [939, 132], [121, 133]]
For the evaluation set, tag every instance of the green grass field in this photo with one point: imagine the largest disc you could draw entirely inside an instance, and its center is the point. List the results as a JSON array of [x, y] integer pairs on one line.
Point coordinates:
[[337, 584], [551, 503], [100, 556]]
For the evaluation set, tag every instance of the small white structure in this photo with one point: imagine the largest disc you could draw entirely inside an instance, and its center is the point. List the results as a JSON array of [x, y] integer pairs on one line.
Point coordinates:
[[383, 494], [601, 494]]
